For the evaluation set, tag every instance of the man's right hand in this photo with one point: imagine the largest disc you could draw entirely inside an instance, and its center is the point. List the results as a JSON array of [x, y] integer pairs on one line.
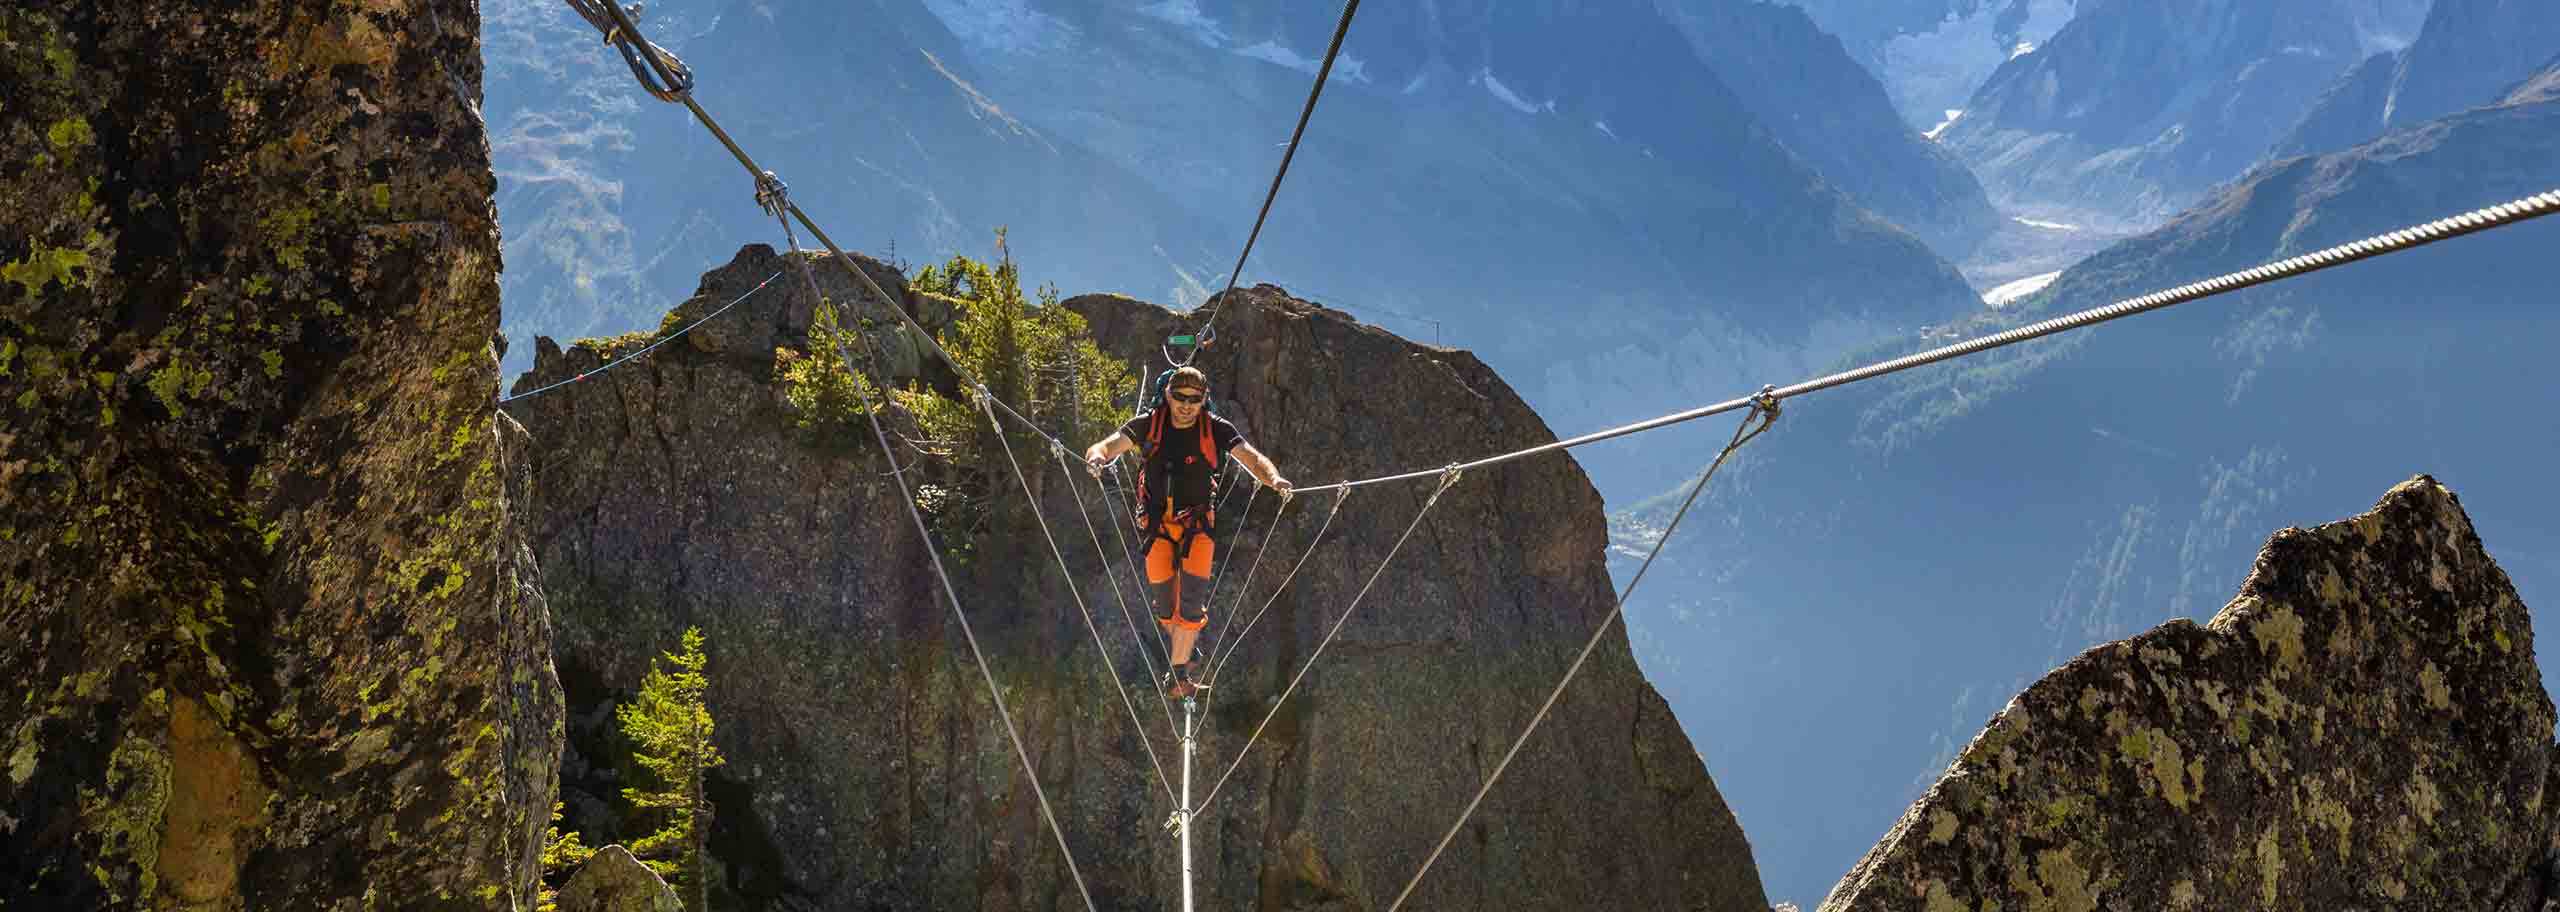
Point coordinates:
[[1093, 463]]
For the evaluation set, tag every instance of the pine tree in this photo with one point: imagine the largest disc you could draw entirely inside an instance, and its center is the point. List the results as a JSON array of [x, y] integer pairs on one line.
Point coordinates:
[[670, 729], [562, 855], [1031, 352]]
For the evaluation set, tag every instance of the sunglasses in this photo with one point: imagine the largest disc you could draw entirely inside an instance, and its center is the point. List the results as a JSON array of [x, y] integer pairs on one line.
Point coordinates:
[[1193, 399]]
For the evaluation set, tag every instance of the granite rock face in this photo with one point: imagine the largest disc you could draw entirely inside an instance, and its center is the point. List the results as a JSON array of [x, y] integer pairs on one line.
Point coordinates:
[[2363, 727], [867, 767], [276, 640], [613, 881]]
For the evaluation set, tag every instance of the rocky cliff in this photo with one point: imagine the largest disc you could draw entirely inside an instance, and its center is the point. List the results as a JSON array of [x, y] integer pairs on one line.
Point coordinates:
[[275, 640], [867, 768], [2362, 727]]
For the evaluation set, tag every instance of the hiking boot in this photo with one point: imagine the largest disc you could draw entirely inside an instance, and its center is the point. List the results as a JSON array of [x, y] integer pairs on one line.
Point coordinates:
[[1177, 682]]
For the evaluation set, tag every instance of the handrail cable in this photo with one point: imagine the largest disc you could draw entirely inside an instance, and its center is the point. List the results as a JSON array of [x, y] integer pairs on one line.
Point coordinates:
[[2477, 220], [1130, 556], [1218, 664], [1243, 591], [1447, 479], [1218, 576], [773, 197], [1109, 572], [1764, 408], [1208, 329], [1032, 502], [634, 356]]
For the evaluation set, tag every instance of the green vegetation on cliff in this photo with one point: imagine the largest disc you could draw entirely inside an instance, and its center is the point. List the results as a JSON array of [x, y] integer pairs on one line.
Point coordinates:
[[670, 726]]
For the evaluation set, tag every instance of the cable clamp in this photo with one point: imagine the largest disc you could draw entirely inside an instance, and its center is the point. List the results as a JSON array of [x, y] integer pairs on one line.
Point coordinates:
[[1766, 401], [1449, 476], [772, 195], [981, 394], [1173, 822]]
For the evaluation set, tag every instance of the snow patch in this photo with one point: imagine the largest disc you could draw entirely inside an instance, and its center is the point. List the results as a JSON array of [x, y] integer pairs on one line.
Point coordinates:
[[2023, 49], [1604, 128], [1186, 15], [2008, 294], [1484, 77], [1348, 67], [1004, 26], [1416, 84], [2040, 223], [1953, 114]]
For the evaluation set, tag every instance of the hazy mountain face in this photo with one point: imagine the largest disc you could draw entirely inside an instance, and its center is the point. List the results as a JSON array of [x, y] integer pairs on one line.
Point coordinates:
[[2133, 110], [1870, 580], [614, 204], [1802, 84], [1573, 193], [1932, 54], [2468, 52]]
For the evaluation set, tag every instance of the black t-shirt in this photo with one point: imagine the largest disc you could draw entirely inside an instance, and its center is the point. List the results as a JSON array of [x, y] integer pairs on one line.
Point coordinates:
[[1178, 457]]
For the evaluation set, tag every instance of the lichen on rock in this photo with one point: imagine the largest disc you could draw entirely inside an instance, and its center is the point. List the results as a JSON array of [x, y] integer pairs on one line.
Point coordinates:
[[259, 507], [2347, 733]]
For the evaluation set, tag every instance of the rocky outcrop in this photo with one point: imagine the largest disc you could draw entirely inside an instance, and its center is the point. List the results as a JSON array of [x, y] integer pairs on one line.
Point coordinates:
[[275, 640], [613, 881], [867, 767], [2363, 726]]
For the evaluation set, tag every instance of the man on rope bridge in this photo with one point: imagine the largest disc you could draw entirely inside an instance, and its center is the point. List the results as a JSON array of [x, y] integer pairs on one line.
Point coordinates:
[[1181, 447]]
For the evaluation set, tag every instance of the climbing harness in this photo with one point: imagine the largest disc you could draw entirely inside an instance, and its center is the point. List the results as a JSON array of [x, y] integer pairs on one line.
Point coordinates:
[[1155, 507]]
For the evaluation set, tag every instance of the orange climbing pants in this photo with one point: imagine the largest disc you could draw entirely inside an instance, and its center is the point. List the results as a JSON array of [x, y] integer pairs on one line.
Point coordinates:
[[1168, 550]]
